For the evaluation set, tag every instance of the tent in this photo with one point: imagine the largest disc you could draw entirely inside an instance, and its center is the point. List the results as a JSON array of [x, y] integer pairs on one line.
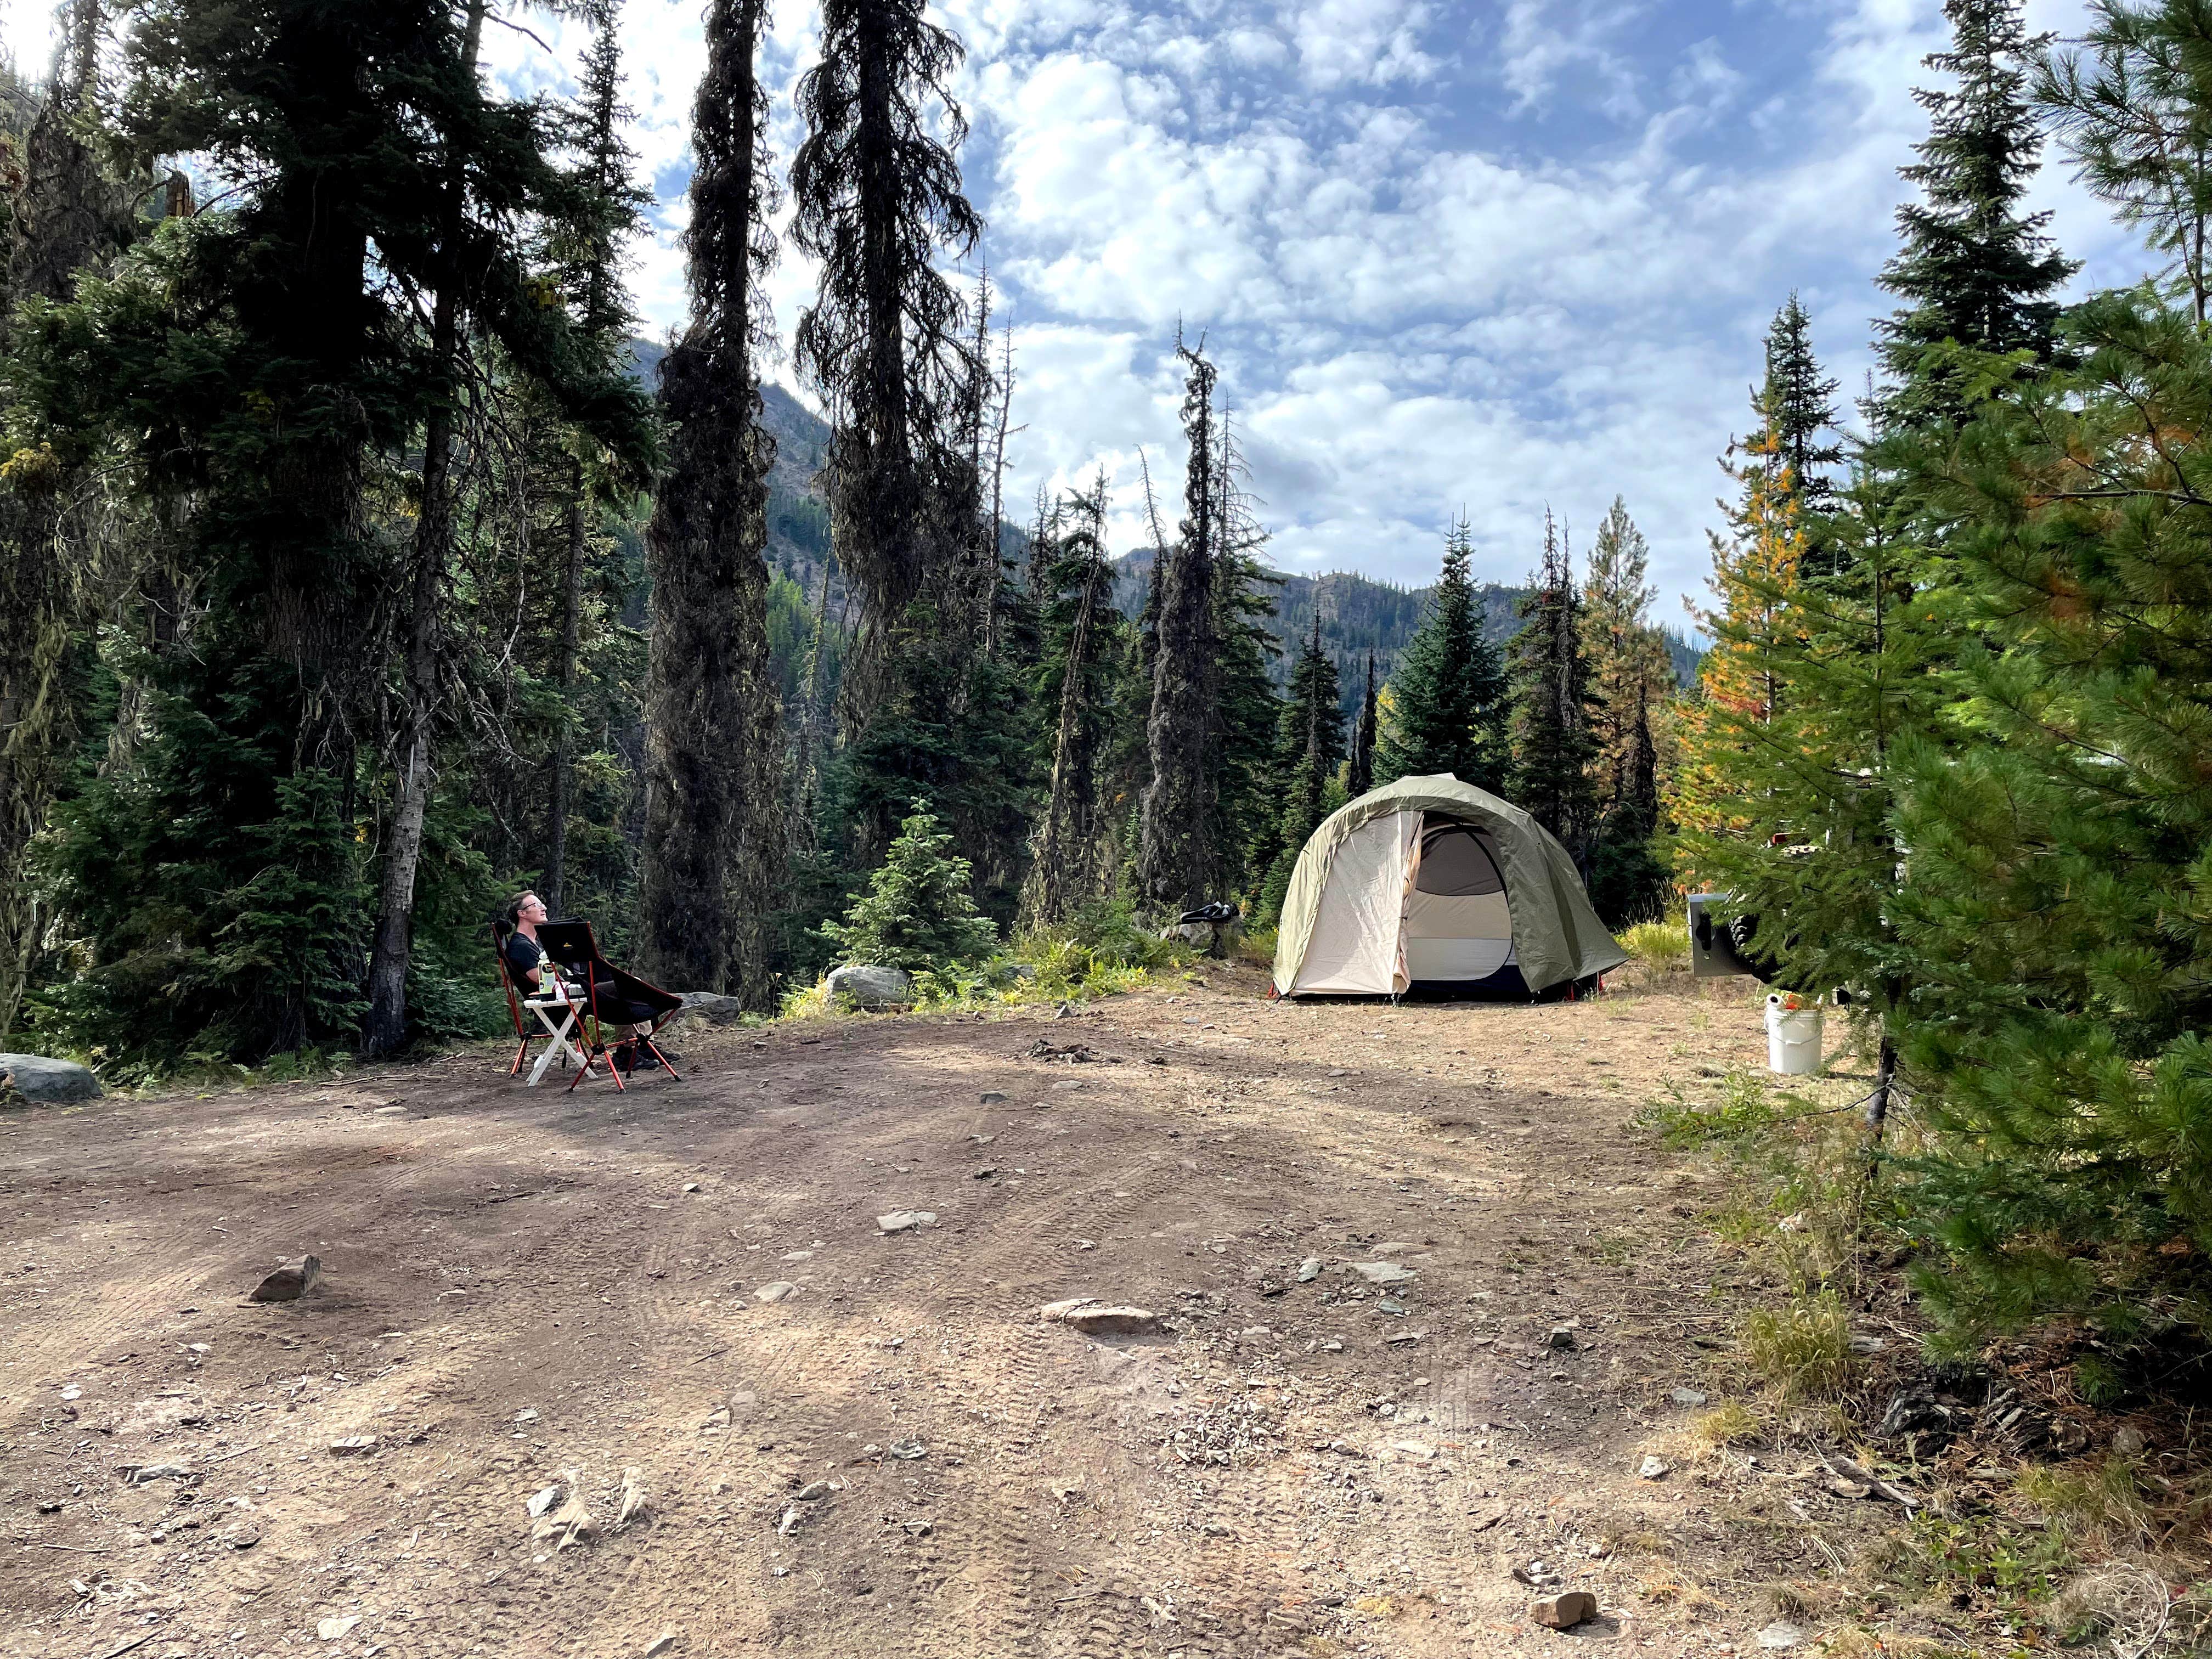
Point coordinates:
[[1432, 881]]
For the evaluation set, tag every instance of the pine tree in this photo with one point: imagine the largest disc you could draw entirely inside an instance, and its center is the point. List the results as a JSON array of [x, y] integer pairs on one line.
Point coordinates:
[[1547, 683], [1360, 777], [1447, 695], [2057, 819], [917, 912], [1799, 402], [1179, 861], [1312, 732], [1631, 675], [67, 213], [613, 207], [1812, 692], [1248, 825], [243, 368], [877, 193], [2133, 117], [1079, 676], [1741, 685], [1312, 748], [1973, 269], [713, 843]]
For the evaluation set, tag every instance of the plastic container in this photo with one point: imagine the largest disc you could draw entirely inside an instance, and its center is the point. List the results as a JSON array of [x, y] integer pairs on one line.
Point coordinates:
[[1793, 1038]]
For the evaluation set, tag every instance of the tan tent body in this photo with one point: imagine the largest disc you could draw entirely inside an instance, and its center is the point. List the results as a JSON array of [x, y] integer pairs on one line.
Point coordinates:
[[1433, 879]]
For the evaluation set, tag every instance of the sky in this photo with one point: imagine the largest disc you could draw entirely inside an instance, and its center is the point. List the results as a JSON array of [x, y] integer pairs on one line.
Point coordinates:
[[1485, 258]]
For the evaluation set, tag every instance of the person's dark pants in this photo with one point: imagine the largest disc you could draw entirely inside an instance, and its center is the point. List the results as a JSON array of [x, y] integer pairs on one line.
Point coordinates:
[[618, 1010]]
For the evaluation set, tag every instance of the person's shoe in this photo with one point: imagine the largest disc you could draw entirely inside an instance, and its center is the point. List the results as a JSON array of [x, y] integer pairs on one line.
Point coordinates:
[[623, 1056], [646, 1059]]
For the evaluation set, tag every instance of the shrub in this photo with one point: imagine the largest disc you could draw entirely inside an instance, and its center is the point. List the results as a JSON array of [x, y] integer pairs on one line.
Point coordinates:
[[917, 912]]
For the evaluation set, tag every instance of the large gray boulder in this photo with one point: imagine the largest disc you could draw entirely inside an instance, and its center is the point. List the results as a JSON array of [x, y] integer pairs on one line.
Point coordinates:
[[36, 1077], [870, 987], [716, 1008]]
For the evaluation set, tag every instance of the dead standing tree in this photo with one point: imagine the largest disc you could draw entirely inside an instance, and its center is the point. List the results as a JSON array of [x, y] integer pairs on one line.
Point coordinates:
[[714, 836], [1069, 857], [1177, 859]]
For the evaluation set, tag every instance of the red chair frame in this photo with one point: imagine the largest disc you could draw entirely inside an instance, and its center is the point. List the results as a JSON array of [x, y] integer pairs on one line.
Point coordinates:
[[594, 1044]]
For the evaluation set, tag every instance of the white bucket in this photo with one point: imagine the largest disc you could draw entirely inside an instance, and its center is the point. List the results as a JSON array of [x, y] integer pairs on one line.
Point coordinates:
[[1793, 1038]]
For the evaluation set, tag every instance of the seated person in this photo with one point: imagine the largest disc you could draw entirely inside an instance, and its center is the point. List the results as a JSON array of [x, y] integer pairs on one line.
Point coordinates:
[[530, 971]]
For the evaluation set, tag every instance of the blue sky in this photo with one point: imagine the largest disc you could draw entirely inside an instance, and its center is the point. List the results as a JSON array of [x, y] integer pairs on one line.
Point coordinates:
[[1489, 257]]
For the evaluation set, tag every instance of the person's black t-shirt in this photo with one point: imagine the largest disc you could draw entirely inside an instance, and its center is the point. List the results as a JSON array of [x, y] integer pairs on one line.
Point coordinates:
[[524, 956]]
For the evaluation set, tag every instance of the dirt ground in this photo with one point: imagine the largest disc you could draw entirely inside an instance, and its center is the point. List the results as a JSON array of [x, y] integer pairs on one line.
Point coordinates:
[[528, 1288]]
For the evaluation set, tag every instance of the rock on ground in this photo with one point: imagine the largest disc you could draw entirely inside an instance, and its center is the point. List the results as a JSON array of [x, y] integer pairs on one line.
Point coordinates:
[[1382, 1272], [1563, 1610], [901, 1221], [34, 1077], [1088, 1313], [872, 987], [718, 1009], [289, 1282]]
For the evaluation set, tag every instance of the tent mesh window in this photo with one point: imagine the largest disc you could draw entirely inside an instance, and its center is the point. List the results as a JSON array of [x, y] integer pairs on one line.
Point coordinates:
[[1457, 862]]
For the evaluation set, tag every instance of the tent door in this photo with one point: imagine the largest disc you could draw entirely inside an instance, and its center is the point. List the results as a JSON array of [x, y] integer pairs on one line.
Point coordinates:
[[1458, 924], [1356, 935]]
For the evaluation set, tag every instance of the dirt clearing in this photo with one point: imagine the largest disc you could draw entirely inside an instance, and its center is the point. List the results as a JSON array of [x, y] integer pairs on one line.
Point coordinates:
[[1422, 1299]]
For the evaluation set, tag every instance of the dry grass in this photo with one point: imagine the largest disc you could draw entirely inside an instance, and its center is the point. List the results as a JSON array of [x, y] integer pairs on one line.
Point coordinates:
[[1801, 1347], [1663, 947]]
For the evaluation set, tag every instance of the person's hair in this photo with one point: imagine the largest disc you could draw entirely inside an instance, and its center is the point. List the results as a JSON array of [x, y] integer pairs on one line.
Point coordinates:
[[514, 911]]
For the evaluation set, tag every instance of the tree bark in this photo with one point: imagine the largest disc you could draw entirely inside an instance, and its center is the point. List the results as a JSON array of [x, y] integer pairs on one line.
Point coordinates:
[[714, 834], [552, 884], [385, 1028]]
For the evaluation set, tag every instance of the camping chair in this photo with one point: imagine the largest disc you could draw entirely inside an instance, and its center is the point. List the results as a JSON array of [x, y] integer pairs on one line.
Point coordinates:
[[570, 947], [554, 1034]]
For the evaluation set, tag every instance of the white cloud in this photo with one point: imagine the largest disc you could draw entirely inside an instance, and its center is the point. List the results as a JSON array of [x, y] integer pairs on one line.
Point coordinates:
[[1496, 259]]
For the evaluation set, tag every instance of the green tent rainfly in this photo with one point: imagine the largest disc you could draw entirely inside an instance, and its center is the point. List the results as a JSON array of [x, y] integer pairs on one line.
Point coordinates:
[[1430, 880]]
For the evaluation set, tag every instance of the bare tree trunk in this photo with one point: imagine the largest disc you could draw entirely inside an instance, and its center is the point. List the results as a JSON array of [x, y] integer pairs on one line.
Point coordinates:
[[1064, 838], [552, 884], [1885, 1080], [386, 1024]]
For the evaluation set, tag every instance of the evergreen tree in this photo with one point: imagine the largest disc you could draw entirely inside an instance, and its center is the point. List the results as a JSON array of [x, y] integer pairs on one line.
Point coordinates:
[[590, 261], [1312, 748], [1812, 691], [917, 912], [1312, 731], [2057, 819], [877, 193], [1360, 777], [1080, 675], [1548, 687], [1630, 675], [1179, 860], [714, 843], [1447, 695], [250, 369], [67, 213], [1247, 822], [1973, 269], [1799, 402], [2134, 117]]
